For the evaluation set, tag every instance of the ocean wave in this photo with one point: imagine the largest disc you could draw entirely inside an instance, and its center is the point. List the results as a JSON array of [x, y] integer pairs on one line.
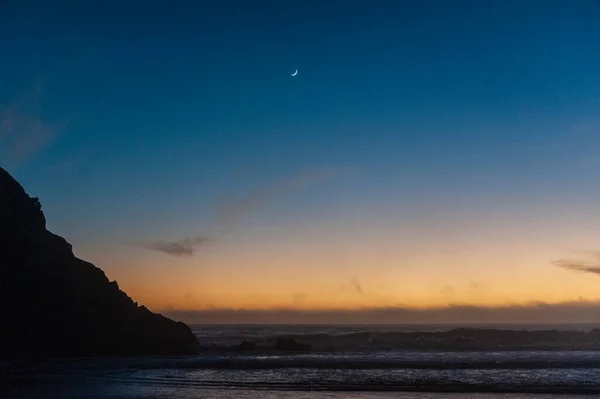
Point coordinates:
[[349, 361], [500, 381], [499, 372]]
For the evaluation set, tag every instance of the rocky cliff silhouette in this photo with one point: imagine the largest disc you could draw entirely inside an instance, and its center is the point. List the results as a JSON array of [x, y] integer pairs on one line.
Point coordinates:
[[54, 304]]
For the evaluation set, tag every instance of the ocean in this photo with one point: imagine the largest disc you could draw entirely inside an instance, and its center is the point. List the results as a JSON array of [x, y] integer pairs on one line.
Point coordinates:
[[346, 362]]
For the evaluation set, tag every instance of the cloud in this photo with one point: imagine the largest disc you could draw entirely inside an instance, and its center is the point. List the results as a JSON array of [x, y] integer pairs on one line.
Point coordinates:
[[581, 311], [581, 266], [357, 287], [181, 248], [229, 214], [354, 287], [23, 133]]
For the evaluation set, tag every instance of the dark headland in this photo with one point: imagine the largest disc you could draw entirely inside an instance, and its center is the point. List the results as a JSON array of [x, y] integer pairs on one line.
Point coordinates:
[[54, 304]]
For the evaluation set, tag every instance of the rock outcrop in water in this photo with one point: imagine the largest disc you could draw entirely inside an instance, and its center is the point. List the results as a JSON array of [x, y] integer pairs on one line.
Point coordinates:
[[290, 344], [439, 339], [54, 304], [246, 346]]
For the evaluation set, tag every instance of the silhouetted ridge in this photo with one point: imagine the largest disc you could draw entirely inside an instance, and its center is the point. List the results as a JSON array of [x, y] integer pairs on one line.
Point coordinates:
[[54, 304]]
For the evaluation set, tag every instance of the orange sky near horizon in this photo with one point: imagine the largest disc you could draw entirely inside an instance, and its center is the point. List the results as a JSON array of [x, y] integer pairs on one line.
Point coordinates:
[[479, 262]]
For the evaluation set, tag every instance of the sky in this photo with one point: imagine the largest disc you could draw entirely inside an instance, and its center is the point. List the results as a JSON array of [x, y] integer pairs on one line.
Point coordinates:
[[428, 156]]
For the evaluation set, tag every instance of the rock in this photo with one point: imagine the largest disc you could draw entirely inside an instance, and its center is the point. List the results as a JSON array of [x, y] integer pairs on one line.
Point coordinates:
[[247, 346], [290, 344], [54, 304]]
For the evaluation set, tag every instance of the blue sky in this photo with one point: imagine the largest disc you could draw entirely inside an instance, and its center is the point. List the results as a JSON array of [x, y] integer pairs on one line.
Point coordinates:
[[157, 112]]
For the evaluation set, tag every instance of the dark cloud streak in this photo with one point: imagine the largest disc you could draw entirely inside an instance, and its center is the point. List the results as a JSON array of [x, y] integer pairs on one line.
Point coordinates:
[[357, 286], [580, 266], [181, 248]]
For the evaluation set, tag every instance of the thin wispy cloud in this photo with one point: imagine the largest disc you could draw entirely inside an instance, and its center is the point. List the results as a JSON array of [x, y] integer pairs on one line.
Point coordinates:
[[229, 214], [23, 132]]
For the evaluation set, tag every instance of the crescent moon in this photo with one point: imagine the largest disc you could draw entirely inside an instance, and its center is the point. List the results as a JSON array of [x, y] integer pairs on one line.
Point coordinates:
[[295, 73]]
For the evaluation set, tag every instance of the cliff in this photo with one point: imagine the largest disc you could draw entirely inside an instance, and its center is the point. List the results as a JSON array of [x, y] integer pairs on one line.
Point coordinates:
[[54, 304]]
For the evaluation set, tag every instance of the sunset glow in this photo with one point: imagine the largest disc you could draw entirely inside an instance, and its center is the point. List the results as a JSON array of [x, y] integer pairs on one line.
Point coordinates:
[[424, 156]]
